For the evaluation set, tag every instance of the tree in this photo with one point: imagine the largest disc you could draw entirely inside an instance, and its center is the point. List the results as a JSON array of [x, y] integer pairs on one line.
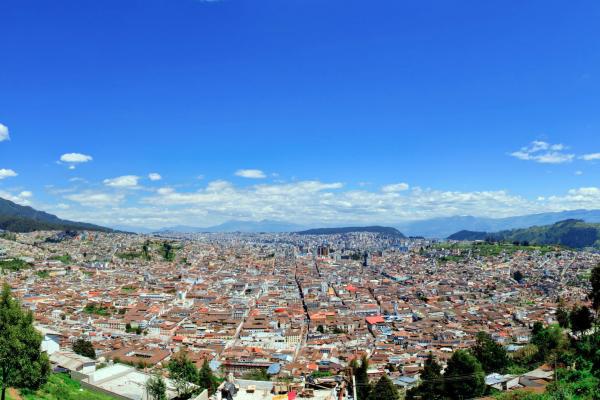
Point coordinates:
[[206, 379], [432, 385], [537, 328], [518, 276], [184, 373], [562, 316], [168, 251], [363, 387], [146, 250], [549, 340], [156, 388], [259, 374], [491, 355], [464, 377], [581, 319], [384, 390], [84, 348], [22, 364], [595, 293]]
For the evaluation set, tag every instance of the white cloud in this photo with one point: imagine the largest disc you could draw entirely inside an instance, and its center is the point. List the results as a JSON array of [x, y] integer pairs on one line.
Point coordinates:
[[312, 203], [4, 133], [75, 158], [165, 190], [250, 173], [7, 173], [395, 187], [544, 153], [96, 199], [125, 181], [578, 173], [590, 157], [22, 198], [153, 176]]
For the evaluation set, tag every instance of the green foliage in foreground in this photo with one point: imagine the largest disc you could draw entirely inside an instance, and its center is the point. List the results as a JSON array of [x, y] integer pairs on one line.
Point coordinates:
[[384, 390], [156, 388], [62, 387], [22, 364]]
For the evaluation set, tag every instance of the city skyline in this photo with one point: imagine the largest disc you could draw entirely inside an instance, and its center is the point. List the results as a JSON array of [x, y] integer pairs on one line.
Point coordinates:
[[200, 112]]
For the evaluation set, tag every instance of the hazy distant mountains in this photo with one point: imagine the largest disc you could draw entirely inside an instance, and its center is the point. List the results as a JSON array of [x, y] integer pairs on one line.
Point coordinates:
[[430, 228], [571, 233], [240, 226], [444, 227], [17, 218]]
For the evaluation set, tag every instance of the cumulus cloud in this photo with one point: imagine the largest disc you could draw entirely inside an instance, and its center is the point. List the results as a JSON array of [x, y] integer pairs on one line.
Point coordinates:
[[591, 157], [250, 173], [153, 176], [125, 181], [544, 153], [395, 187], [90, 198], [4, 133], [23, 198], [7, 173], [309, 202], [75, 158], [317, 202]]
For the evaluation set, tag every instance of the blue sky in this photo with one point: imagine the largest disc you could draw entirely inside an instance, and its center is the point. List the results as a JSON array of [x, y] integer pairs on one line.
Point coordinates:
[[349, 111]]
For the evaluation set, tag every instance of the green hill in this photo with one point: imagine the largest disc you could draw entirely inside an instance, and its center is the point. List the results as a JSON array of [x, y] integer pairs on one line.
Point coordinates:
[[572, 233], [384, 230], [468, 235], [62, 387], [17, 218]]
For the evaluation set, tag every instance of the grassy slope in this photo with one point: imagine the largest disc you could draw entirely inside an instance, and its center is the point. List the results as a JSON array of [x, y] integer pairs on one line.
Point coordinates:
[[62, 387]]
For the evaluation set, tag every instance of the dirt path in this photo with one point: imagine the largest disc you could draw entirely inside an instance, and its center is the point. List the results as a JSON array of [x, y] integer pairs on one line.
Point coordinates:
[[14, 394]]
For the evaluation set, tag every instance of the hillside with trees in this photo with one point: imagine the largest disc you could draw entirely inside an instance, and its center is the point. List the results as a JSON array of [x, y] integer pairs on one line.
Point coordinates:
[[384, 230], [571, 233], [17, 218]]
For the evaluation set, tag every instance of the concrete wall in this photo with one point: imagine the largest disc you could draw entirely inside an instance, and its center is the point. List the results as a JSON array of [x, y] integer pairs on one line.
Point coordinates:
[[202, 396]]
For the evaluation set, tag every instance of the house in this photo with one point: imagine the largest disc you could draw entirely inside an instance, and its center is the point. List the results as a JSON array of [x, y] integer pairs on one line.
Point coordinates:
[[68, 361], [123, 382]]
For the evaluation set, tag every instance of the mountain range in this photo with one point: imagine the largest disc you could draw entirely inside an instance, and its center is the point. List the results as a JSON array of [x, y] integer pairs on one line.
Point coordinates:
[[430, 228], [239, 226], [17, 218], [444, 227]]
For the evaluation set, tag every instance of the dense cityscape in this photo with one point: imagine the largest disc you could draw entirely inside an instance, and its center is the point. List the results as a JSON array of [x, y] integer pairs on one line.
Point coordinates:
[[283, 312]]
